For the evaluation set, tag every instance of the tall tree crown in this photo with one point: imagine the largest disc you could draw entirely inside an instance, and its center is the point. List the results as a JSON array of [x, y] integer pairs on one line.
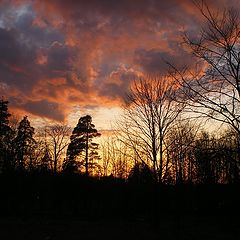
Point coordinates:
[[81, 142], [24, 143], [4, 116], [25, 131]]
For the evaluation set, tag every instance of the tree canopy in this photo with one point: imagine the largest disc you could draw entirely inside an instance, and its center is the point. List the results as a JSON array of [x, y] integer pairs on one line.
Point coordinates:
[[82, 146]]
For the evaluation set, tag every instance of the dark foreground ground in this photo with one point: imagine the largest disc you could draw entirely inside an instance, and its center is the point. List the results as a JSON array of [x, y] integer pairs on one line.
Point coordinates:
[[56, 207], [169, 228]]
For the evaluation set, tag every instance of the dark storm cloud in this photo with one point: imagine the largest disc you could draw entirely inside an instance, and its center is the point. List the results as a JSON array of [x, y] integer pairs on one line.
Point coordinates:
[[153, 61], [45, 109], [42, 108], [116, 86], [157, 61], [9, 48], [57, 57]]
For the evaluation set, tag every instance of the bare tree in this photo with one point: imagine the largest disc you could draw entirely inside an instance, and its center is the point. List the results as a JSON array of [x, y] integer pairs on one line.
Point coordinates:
[[181, 143], [117, 158], [108, 153], [14, 122], [150, 112], [228, 154], [57, 138], [43, 155], [213, 90]]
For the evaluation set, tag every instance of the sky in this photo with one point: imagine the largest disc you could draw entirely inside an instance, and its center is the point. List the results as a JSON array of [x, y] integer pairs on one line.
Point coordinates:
[[62, 59]]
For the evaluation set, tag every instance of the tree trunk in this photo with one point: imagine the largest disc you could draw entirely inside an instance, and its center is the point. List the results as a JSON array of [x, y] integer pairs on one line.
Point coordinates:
[[161, 159], [55, 159], [86, 157]]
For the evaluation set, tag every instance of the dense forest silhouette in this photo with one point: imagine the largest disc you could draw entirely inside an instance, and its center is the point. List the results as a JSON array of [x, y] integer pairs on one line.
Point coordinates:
[[164, 158]]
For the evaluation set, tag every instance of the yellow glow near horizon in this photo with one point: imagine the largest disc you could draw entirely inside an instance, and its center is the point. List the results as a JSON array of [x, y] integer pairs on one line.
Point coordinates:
[[104, 118]]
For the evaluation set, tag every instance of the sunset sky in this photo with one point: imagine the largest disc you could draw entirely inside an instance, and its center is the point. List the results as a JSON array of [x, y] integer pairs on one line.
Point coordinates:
[[61, 59]]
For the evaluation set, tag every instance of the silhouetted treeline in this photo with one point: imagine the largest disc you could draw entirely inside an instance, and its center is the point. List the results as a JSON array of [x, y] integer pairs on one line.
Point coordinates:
[[189, 156], [52, 149]]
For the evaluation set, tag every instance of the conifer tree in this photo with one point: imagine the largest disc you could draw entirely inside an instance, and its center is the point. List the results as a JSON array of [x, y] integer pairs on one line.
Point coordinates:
[[81, 145], [24, 144], [4, 115], [45, 160], [5, 136]]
